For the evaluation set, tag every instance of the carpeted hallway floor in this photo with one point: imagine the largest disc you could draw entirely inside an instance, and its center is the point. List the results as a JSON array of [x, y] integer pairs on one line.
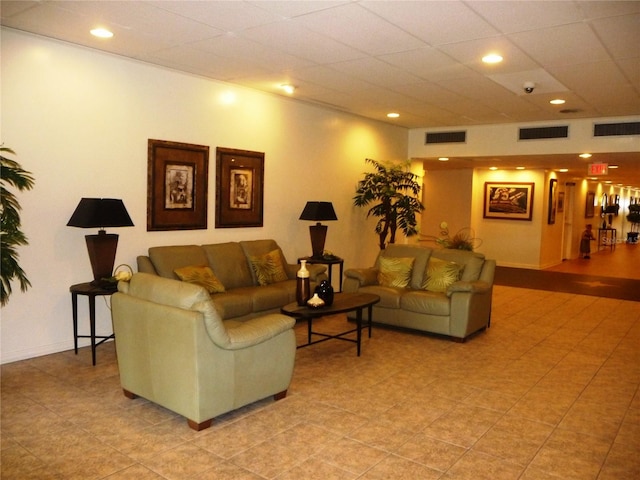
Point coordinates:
[[609, 273]]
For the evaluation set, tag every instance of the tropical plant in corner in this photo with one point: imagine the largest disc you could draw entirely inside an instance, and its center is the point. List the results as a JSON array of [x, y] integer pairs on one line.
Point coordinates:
[[11, 236], [392, 189]]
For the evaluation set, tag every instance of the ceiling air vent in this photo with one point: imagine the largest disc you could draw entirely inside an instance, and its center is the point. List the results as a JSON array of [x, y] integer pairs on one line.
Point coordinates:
[[446, 137], [544, 132], [609, 129]]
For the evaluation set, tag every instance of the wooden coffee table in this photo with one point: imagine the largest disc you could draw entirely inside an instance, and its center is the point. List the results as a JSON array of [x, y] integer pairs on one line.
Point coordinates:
[[342, 303]]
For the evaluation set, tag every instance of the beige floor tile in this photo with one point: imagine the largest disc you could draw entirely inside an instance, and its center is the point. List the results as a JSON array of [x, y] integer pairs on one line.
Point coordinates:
[[478, 466], [314, 469], [433, 453], [182, 462], [351, 455], [400, 469]]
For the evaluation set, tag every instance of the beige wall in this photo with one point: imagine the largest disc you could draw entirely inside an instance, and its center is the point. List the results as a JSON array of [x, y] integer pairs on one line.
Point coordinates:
[[80, 120]]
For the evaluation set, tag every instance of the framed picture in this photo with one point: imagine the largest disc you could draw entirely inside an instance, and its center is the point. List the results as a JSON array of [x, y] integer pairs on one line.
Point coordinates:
[[239, 188], [560, 202], [177, 177], [508, 201], [589, 209], [553, 195]]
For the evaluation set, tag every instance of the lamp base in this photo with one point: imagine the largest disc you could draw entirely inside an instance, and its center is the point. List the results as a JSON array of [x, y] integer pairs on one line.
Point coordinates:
[[318, 233], [102, 255]]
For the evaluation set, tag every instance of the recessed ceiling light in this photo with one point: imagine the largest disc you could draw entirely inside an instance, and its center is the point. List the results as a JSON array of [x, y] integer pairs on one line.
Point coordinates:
[[101, 33], [288, 88], [585, 155], [493, 168], [444, 159], [613, 166], [557, 101], [393, 115], [492, 58], [563, 170], [519, 168]]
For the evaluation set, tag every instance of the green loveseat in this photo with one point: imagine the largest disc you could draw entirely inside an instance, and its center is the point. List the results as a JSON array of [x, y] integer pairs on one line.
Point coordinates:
[[243, 297], [175, 350], [455, 305]]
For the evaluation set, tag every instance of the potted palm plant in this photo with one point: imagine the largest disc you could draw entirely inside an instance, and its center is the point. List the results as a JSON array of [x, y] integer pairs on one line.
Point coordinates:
[[392, 191], [12, 236], [634, 220]]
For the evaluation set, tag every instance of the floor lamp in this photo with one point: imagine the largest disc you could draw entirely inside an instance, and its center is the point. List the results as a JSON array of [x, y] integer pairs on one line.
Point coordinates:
[[318, 212], [100, 213]]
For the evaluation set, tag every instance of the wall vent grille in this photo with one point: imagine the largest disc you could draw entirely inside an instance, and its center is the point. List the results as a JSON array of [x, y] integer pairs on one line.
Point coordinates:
[[539, 133], [446, 137], [610, 129]]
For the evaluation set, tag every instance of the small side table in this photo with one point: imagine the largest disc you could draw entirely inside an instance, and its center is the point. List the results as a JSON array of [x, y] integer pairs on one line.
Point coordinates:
[[330, 262], [90, 291], [607, 237]]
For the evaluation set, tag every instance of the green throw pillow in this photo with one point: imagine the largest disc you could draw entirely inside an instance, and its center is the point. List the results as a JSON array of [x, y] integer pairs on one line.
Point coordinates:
[[395, 271], [200, 275], [269, 268], [440, 274]]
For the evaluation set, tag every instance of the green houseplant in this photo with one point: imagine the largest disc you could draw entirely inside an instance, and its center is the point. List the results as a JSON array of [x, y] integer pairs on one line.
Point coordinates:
[[12, 236], [392, 190]]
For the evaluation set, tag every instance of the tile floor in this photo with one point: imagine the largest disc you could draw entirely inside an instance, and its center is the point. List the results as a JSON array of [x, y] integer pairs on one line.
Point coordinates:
[[550, 392]]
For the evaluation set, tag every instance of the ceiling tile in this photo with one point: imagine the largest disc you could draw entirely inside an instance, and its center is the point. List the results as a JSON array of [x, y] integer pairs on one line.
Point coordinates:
[[528, 15]]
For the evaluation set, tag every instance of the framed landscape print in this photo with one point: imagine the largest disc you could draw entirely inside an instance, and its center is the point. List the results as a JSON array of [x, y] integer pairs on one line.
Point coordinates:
[[177, 177], [239, 188], [508, 201]]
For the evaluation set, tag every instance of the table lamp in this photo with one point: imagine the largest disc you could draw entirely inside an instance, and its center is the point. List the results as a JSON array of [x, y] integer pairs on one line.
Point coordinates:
[[318, 212], [100, 213]]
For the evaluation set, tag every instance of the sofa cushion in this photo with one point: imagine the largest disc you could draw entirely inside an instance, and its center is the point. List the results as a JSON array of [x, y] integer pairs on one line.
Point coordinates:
[[234, 303], [229, 263], [167, 259], [395, 271], [200, 275], [421, 255], [422, 301], [440, 274], [270, 297], [269, 267], [389, 296], [472, 261]]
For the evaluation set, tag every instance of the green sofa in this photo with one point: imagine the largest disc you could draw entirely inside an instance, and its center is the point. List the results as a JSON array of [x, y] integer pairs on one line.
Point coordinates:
[[456, 306], [175, 350], [243, 297]]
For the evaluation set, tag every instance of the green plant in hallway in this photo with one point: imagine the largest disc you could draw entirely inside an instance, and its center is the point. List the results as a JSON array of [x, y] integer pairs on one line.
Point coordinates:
[[12, 237], [392, 191]]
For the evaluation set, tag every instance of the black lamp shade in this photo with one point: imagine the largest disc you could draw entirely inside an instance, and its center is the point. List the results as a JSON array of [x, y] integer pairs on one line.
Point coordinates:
[[100, 213], [317, 212]]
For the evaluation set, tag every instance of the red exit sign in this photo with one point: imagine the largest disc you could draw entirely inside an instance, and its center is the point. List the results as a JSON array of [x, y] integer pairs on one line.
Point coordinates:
[[598, 169]]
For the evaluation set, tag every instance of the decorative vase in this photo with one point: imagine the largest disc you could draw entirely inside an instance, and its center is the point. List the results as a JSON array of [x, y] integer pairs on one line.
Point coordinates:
[[325, 292], [303, 289], [315, 302]]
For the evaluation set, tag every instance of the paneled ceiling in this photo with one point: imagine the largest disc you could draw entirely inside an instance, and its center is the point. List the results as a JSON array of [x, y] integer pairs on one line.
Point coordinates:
[[421, 59]]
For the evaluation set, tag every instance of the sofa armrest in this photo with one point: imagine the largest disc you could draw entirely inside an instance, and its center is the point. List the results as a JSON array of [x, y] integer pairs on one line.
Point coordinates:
[[145, 265], [477, 286], [258, 330], [365, 276]]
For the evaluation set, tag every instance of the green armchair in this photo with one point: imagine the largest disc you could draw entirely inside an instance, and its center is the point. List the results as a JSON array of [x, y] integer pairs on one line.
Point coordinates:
[[174, 350]]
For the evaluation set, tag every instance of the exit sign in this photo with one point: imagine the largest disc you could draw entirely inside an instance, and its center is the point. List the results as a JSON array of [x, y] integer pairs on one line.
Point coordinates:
[[598, 169]]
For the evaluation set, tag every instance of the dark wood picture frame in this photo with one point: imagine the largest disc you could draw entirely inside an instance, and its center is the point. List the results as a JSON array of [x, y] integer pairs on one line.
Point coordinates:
[[508, 201], [589, 209], [553, 196], [239, 188], [177, 182]]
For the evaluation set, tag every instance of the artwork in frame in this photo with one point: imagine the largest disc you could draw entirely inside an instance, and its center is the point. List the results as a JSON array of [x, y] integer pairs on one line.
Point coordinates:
[[560, 202], [553, 196], [177, 182], [508, 201], [239, 188], [589, 210]]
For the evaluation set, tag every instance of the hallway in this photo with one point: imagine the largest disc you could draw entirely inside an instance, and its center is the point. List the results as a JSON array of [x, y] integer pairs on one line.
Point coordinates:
[[622, 262]]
